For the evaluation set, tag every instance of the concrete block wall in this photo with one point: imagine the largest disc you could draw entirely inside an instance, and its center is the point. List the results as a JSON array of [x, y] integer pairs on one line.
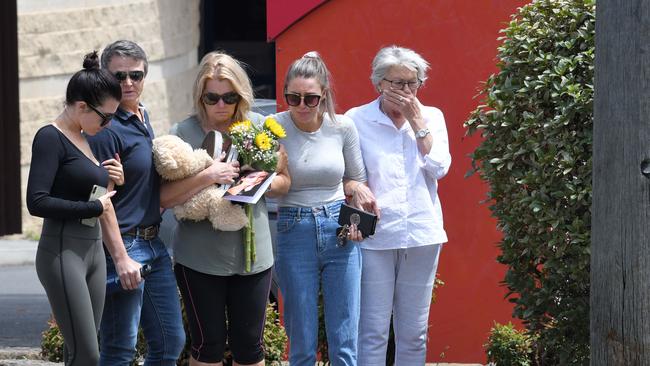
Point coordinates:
[[53, 37]]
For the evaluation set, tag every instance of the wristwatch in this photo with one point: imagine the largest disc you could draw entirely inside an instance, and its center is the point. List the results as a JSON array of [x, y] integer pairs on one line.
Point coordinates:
[[420, 134]]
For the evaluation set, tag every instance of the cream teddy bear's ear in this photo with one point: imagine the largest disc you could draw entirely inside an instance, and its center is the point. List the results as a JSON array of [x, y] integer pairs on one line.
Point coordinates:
[[175, 158], [163, 155]]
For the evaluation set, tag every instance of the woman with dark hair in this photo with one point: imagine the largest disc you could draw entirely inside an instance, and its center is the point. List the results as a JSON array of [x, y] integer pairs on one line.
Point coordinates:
[[70, 260]]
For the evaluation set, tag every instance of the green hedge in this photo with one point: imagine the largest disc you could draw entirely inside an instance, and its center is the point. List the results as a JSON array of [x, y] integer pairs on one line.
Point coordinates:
[[536, 124]]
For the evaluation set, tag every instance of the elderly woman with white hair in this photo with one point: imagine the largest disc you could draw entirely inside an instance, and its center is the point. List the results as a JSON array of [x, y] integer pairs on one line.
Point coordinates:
[[405, 151]]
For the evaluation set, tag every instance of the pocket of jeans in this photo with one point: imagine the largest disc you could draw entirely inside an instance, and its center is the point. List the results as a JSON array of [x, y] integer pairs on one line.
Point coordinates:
[[334, 211], [285, 224], [129, 241]]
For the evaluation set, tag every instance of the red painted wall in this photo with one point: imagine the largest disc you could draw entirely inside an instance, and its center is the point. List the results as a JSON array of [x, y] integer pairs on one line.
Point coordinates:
[[281, 14], [459, 39]]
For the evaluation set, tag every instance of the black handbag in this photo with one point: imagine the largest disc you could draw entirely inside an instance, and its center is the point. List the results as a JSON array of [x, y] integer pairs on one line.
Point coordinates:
[[365, 221]]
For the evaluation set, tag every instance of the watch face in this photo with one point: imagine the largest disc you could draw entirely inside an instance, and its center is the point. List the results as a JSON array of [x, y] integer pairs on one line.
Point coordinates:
[[422, 133]]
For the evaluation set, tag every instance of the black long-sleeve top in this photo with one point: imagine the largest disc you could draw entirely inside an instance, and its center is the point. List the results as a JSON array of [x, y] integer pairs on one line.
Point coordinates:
[[61, 178]]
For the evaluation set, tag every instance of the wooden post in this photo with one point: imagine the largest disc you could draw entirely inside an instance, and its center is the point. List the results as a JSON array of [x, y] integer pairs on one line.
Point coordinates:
[[620, 250], [10, 196]]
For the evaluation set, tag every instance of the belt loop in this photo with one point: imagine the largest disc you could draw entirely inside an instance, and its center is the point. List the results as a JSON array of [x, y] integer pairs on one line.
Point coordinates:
[[326, 208], [299, 213]]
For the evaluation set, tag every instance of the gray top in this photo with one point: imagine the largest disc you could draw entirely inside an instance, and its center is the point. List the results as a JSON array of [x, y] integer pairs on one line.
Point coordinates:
[[319, 160], [202, 248]]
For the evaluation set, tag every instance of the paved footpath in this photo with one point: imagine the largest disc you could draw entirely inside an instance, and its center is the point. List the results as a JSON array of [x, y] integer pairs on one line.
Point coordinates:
[[17, 252]]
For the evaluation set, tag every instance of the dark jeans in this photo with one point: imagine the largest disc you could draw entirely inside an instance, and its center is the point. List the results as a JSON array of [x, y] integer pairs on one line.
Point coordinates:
[[155, 306]]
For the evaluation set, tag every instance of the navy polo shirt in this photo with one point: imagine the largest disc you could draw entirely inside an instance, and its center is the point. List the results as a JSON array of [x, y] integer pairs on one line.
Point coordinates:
[[137, 202]]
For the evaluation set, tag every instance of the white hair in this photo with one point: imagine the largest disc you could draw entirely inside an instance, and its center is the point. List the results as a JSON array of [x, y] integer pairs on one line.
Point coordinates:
[[390, 56]]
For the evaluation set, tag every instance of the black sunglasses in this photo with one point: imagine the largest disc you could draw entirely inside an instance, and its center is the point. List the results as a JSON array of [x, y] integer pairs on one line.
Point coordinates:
[[311, 100], [214, 98], [133, 75], [105, 117]]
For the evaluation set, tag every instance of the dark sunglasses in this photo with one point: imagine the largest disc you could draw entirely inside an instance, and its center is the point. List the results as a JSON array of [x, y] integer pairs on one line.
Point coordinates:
[[133, 75], [105, 117], [214, 98], [310, 100]]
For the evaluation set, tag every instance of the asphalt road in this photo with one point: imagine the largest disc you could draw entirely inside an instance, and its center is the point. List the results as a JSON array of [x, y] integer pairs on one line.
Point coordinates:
[[24, 310]]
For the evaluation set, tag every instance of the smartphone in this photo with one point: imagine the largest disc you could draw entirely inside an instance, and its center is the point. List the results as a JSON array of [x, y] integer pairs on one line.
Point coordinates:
[[95, 193]]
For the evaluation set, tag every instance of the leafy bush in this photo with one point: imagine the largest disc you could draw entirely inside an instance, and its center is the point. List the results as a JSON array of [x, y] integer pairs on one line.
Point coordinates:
[[52, 342], [536, 125], [508, 346], [275, 340]]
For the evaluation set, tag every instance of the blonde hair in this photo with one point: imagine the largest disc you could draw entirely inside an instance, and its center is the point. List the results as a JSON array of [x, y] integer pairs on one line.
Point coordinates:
[[217, 65], [311, 65]]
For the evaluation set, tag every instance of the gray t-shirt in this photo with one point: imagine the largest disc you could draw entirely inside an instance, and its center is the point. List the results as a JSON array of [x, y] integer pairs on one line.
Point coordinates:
[[319, 160], [202, 248]]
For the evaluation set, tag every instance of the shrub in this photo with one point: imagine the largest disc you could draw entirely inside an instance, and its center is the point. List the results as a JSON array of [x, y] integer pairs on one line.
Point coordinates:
[[275, 340], [536, 125], [52, 342], [508, 346]]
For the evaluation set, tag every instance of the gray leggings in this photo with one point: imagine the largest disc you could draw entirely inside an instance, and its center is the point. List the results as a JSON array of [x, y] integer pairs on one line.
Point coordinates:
[[71, 266]]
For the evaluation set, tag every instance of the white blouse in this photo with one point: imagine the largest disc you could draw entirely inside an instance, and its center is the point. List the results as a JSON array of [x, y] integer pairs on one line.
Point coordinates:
[[404, 182]]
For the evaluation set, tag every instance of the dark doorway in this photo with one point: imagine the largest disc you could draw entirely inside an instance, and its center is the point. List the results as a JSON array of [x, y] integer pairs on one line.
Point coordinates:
[[10, 212], [239, 28]]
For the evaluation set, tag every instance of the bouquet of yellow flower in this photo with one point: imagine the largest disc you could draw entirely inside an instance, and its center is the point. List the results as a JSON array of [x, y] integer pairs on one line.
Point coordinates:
[[256, 146]]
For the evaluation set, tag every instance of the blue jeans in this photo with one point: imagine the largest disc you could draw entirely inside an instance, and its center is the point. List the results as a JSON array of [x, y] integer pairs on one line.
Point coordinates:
[[155, 306], [307, 258]]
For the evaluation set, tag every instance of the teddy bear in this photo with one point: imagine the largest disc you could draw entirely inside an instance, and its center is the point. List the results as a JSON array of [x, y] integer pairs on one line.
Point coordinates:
[[175, 159]]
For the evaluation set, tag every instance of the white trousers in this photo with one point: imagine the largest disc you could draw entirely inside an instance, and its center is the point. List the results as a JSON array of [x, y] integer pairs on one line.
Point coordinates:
[[397, 281]]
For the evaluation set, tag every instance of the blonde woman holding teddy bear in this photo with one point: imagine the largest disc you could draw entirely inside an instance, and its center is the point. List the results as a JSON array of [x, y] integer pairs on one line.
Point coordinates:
[[209, 268]]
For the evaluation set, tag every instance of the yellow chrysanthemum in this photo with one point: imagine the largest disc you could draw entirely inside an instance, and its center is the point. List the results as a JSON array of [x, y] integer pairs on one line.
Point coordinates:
[[275, 128], [241, 126], [263, 141]]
